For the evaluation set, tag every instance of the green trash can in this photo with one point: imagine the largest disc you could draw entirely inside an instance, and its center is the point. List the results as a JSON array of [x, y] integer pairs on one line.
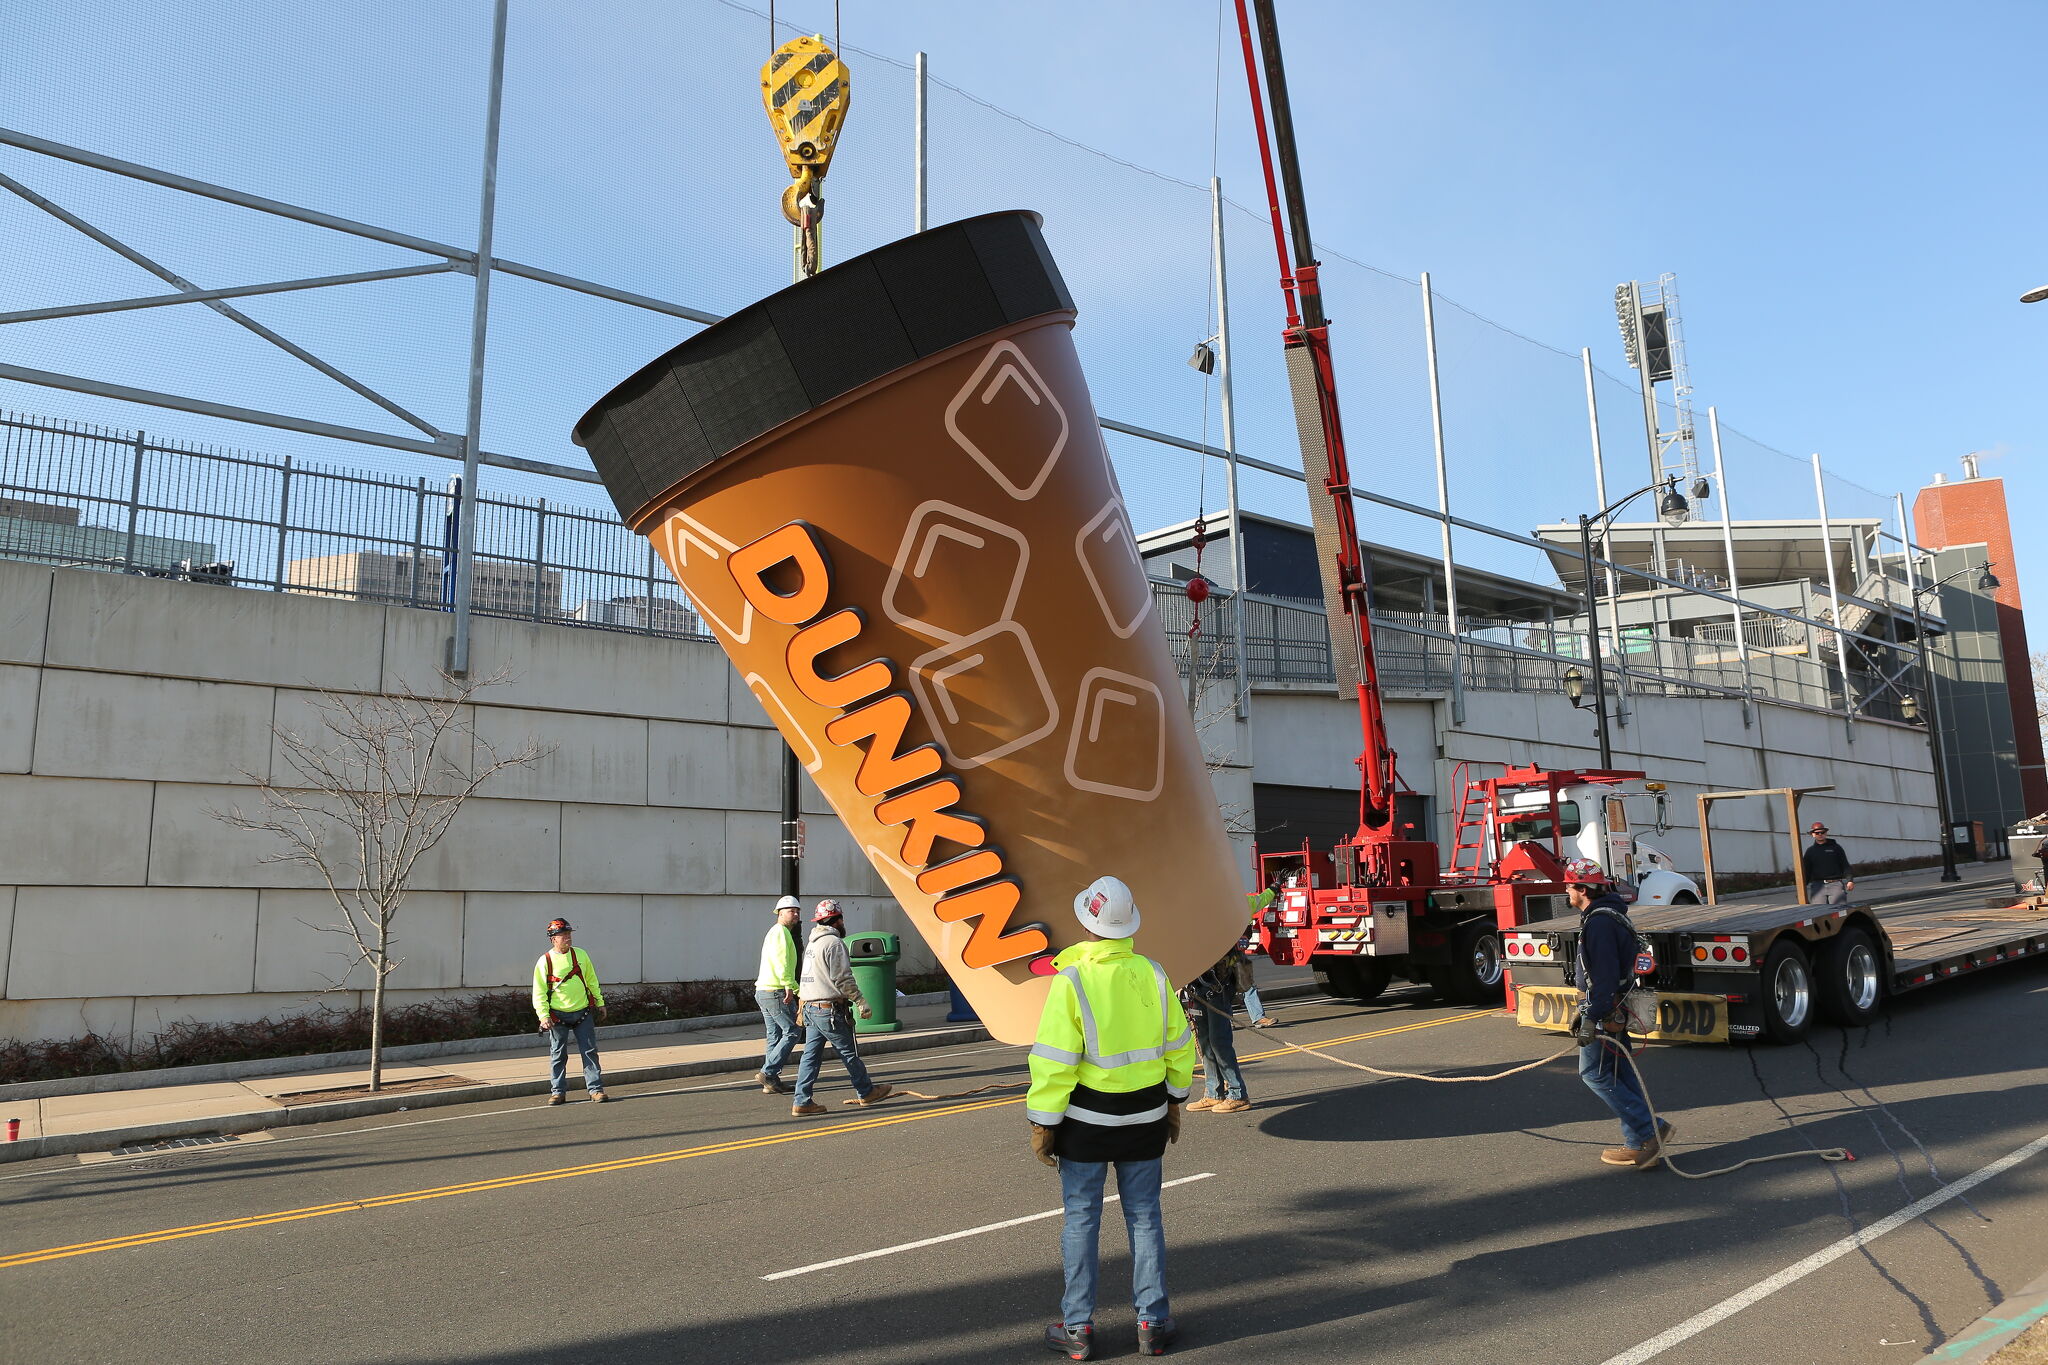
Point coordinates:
[[874, 957]]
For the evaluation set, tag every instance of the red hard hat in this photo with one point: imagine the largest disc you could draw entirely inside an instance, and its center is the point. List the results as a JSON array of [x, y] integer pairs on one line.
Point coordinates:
[[560, 926], [1585, 872]]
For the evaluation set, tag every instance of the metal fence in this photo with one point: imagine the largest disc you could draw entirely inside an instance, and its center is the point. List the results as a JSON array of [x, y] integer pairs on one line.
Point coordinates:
[[92, 497], [89, 497]]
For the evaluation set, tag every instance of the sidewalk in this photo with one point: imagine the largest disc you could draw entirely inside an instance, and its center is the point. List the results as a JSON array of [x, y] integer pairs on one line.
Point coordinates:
[[145, 1111]]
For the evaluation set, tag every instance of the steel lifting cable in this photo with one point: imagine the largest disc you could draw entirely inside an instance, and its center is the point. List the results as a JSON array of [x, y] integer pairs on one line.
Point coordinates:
[[1824, 1153]]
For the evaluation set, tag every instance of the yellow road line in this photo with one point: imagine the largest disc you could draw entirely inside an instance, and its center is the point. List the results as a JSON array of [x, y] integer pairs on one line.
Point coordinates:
[[24, 1258]]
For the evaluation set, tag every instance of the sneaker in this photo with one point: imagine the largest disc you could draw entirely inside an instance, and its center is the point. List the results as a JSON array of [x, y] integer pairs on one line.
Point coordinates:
[[771, 1085], [558, 1099], [1075, 1343], [1155, 1337], [877, 1095], [1231, 1107], [804, 1111], [1206, 1102]]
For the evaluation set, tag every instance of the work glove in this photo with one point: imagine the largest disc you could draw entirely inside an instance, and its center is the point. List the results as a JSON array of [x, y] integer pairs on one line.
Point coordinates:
[[1041, 1144], [1172, 1121]]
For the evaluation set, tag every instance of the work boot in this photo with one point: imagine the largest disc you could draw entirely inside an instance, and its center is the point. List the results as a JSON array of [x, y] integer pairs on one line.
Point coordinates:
[[804, 1111], [1206, 1102], [1155, 1337], [877, 1095], [558, 1099], [1265, 1021], [771, 1085], [1075, 1343], [1231, 1107], [599, 1097]]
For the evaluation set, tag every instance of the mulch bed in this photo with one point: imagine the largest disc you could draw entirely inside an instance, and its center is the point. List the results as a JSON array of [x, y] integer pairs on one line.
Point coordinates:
[[356, 1092]]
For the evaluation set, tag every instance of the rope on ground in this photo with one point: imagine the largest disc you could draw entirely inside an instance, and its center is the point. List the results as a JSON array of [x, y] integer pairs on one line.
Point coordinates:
[[1656, 1120], [908, 1094]]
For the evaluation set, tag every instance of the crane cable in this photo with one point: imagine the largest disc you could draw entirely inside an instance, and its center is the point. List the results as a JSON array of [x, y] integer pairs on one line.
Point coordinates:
[[1824, 1153]]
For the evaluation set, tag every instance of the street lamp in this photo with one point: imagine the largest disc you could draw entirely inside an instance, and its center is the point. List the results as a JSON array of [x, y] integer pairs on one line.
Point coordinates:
[[1673, 508]]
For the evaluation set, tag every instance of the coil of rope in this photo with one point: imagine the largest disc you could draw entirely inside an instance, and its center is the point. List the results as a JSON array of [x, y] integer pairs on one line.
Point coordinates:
[[1619, 1047]]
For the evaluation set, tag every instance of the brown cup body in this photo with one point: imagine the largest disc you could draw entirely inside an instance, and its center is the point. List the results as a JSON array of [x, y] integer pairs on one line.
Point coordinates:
[[931, 584]]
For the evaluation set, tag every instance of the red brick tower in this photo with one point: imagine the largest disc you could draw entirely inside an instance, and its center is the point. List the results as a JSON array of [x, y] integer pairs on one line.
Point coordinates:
[[1972, 512]]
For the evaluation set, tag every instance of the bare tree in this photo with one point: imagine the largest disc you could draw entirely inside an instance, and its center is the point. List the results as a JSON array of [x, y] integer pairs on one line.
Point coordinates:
[[371, 790]]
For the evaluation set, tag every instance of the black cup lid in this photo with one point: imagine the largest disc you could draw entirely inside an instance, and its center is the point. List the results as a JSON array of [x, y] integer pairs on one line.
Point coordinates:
[[805, 345]]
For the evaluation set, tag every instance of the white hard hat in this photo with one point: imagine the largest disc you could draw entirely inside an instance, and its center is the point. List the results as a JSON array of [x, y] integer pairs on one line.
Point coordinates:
[[788, 903], [1106, 909]]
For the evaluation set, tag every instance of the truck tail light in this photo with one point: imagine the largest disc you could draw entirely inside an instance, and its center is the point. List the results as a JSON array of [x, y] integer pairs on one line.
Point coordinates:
[[1699, 955], [1720, 953], [1740, 954]]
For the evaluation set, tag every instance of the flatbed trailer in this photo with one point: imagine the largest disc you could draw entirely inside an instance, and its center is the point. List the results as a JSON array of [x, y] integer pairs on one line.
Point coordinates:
[[1769, 971]]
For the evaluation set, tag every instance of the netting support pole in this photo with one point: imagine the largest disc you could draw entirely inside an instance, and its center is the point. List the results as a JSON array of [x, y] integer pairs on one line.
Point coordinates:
[[1443, 505], [1229, 409], [479, 330], [1734, 580], [134, 502], [917, 172], [1827, 548], [1606, 539]]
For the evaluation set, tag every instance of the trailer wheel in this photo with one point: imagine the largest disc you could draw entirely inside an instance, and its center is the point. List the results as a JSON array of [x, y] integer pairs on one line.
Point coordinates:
[[1477, 972], [1359, 979], [1787, 992], [1850, 977]]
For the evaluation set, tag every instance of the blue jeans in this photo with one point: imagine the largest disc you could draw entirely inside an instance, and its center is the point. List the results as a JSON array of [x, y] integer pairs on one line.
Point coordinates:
[[1218, 1047], [779, 1017], [585, 1031], [1252, 1008], [1081, 1235], [1614, 1081], [829, 1024]]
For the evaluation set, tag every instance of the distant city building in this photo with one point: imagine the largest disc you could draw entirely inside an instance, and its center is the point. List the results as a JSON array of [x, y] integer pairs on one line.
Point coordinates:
[[1991, 726], [671, 615], [53, 533], [500, 587]]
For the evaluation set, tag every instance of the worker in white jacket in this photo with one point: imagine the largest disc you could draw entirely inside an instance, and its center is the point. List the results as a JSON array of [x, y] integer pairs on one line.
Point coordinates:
[[830, 996]]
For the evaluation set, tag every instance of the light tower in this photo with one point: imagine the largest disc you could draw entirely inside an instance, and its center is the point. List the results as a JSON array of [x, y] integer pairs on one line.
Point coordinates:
[[1655, 342]]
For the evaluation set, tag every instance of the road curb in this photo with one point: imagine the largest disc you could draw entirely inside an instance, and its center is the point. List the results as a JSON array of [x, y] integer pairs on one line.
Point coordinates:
[[1983, 1340], [105, 1139]]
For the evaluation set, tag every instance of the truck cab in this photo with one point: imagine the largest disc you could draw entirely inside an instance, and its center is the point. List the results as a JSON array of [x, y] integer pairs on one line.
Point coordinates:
[[1593, 820]]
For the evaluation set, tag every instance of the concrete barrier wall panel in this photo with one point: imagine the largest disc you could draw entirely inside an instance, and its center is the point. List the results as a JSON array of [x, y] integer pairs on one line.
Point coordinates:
[[309, 717], [6, 935], [24, 610], [713, 767], [622, 850], [700, 938], [151, 729], [188, 846], [72, 941], [586, 758], [503, 935], [121, 623], [497, 846], [295, 953], [18, 687], [111, 1018], [61, 831]]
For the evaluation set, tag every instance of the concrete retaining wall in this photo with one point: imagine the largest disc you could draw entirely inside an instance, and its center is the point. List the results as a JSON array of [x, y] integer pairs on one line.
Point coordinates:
[[135, 708]]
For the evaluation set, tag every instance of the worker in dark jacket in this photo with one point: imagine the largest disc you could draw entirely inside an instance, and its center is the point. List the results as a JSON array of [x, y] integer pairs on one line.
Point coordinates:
[[1606, 969], [1824, 867]]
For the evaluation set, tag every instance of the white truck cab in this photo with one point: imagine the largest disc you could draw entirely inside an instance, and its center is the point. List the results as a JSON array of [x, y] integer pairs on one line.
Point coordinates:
[[1593, 822]]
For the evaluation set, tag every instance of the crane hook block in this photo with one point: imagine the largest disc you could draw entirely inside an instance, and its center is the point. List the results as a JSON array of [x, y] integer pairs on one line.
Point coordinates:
[[806, 90]]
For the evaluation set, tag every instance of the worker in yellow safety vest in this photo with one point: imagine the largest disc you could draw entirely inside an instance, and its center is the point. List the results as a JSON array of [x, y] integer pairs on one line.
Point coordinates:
[[1109, 1074]]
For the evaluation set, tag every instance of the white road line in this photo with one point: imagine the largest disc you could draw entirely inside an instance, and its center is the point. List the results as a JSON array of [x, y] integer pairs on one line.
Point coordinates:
[[1763, 1289], [956, 1236]]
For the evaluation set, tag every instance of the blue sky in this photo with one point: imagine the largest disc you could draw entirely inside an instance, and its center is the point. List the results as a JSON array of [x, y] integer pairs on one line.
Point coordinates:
[[1848, 195]]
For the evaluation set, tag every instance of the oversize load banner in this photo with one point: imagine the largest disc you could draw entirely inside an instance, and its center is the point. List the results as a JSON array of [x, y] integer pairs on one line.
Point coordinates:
[[932, 587]]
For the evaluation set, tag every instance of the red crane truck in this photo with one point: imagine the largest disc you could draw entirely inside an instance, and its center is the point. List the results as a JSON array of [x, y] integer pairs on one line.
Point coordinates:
[[1382, 902]]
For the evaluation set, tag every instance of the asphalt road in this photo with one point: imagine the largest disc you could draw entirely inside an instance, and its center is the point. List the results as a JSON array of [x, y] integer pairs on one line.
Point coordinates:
[[1344, 1218]]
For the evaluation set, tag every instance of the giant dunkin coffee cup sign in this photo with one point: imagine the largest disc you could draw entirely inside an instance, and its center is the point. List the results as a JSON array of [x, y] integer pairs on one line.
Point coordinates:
[[885, 491]]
